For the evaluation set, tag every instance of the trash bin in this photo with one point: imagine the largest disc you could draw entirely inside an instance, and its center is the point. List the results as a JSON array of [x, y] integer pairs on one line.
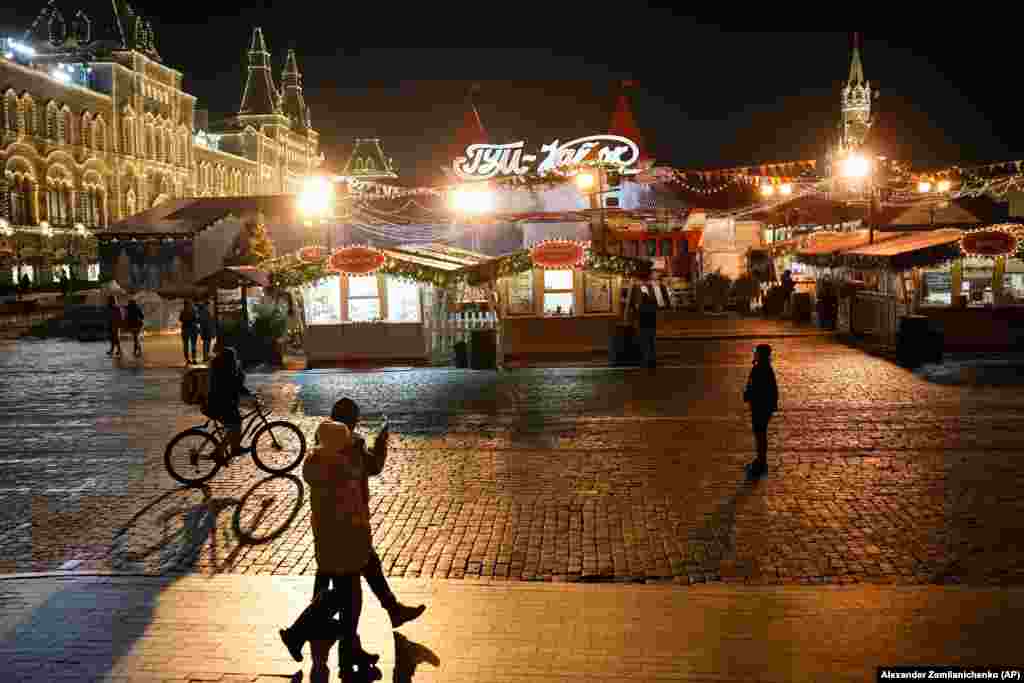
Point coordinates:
[[621, 345], [461, 355], [483, 350], [918, 342]]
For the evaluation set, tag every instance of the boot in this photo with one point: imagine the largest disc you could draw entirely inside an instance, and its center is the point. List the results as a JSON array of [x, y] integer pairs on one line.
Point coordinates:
[[401, 614], [315, 622]]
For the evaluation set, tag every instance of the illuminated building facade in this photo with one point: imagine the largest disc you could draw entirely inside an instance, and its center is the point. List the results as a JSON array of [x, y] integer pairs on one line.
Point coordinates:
[[94, 127]]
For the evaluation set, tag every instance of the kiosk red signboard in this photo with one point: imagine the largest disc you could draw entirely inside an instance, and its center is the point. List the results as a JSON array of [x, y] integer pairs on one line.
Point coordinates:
[[558, 254], [356, 260]]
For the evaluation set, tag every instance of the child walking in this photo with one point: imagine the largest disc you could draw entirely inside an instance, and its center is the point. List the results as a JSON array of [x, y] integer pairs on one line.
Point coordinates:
[[762, 393]]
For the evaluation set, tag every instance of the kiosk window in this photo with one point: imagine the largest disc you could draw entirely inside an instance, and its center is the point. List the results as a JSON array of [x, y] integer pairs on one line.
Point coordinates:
[[558, 292], [363, 299], [520, 294], [403, 301], [322, 300]]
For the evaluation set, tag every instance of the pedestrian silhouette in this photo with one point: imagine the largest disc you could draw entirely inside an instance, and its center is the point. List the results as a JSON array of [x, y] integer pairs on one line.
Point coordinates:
[[762, 393]]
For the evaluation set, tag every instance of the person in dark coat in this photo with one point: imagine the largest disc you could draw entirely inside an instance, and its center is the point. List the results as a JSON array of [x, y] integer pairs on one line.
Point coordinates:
[[227, 387], [646, 328], [762, 393], [187, 318], [204, 323], [134, 319], [115, 319]]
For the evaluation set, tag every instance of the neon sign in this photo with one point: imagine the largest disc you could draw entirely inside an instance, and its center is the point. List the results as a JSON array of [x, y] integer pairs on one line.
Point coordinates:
[[484, 161]]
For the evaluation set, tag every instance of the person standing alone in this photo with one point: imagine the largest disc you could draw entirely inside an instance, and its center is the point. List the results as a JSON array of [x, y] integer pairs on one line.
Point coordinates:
[[762, 393], [205, 326], [188, 331], [134, 319], [647, 328], [115, 319]]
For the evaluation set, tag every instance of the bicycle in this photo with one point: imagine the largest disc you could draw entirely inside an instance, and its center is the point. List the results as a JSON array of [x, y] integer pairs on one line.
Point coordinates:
[[200, 447]]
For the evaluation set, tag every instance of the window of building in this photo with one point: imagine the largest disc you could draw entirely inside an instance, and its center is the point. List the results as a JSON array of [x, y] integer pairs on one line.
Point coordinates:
[[322, 300], [363, 299], [520, 293], [937, 286], [20, 270], [57, 206], [598, 293], [62, 268], [93, 272], [559, 296], [403, 301]]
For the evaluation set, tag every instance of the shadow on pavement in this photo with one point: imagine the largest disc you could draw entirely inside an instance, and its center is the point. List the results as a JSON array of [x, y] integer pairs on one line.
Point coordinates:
[[76, 634], [170, 532], [408, 656]]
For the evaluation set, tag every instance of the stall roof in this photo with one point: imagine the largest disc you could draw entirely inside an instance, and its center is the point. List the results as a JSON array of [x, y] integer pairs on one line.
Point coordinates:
[[182, 218], [908, 242], [830, 243], [233, 277]]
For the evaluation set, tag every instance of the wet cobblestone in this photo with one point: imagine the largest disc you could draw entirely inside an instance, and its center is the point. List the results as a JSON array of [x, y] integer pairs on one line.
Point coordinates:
[[877, 474]]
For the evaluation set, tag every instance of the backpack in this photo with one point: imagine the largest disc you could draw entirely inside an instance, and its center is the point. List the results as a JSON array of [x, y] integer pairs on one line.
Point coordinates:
[[195, 386]]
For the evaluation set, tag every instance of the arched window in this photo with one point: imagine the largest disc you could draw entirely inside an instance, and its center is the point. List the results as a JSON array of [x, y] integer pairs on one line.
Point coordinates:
[[58, 204], [129, 203], [127, 147], [10, 118], [69, 126], [85, 134], [100, 135], [20, 192], [52, 122], [28, 111]]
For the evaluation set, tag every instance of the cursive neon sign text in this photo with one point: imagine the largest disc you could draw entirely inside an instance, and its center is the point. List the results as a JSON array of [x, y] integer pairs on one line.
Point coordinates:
[[484, 161]]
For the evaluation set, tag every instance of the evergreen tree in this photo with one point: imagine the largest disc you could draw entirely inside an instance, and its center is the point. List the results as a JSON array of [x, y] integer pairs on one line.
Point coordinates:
[[261, 248]]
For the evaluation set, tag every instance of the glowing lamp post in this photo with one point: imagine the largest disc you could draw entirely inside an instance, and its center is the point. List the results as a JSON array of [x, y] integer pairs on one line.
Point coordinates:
[[472, 200], [316, 201], [856, 167]]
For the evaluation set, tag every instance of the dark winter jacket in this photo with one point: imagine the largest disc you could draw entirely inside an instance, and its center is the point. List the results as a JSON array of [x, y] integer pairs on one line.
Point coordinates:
[[762, 393], [227, 385]]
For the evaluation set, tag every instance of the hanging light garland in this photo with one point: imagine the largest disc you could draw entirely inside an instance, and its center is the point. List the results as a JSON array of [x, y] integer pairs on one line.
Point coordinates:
[[1011, 233]]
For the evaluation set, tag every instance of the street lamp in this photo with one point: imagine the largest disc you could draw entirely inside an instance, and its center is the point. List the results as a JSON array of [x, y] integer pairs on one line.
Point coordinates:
[[472, 200], [924, 187], [315, 201], [855, 166], [585, 180]]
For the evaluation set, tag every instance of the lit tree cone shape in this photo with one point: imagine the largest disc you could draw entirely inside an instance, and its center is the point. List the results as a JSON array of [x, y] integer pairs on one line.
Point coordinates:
[[558, 254], [356, 260]]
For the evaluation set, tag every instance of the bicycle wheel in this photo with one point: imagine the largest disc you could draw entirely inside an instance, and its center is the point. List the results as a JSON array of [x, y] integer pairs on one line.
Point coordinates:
[[191, 457], [278, 447]]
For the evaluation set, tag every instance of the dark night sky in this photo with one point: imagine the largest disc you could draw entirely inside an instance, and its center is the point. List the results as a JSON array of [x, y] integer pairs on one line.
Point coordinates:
[[708, 97]]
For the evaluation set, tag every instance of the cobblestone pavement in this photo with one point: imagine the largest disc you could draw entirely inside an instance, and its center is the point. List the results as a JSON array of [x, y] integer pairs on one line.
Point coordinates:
[[195, 628], [877, 473]]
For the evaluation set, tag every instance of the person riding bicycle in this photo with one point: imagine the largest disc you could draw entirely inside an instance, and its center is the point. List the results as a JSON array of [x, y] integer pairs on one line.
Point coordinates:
[[227, 386]]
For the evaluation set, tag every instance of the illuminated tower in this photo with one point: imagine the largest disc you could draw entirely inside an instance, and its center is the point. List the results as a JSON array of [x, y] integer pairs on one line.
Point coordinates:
[[856, 104]]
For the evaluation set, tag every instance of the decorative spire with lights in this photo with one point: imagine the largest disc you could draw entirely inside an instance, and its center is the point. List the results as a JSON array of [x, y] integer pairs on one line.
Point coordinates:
[[260, 97], [856, 103], [293, 104]]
